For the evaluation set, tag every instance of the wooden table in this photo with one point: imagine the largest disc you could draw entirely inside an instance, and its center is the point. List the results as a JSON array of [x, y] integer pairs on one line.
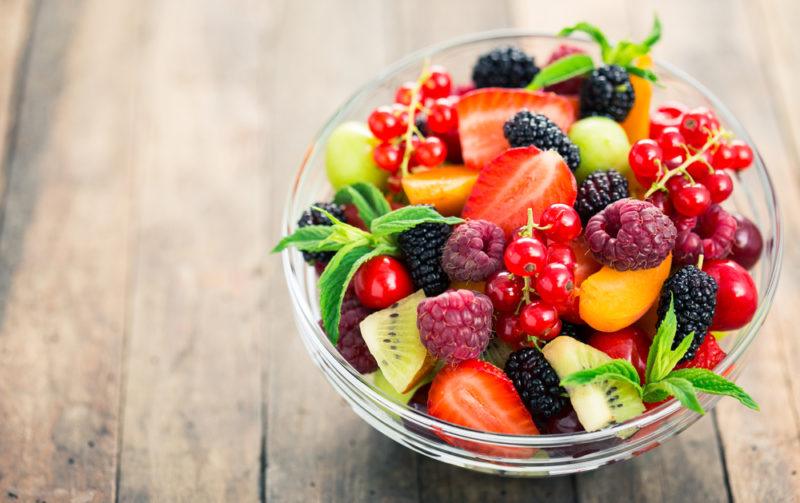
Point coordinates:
[[145, 349]]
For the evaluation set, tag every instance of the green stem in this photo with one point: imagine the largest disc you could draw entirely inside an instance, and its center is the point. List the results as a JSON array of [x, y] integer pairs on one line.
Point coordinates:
[[416, 94]]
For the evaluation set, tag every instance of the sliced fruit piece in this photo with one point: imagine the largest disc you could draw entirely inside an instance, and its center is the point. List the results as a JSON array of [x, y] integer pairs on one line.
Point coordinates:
[[637, 123], [482, 113], [603, 145], [348, 156], [708, 355], [393, 339], [402, 398], [445, 188], [611, 300], [598, 404], [478, 395], [518, 179], [629, 344]]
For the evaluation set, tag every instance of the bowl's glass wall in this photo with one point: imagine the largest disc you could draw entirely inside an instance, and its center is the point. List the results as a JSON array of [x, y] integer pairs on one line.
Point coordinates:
[[529, 456]]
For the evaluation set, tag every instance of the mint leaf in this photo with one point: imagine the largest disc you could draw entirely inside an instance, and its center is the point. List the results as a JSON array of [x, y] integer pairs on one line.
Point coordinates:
[[678, 387], [367, 199], [619, 369], [561, 70], [593, 32], [306, 238], [662, 358], [642, 73], [408, 217], [706, 381], [655, 33], [625, 52]]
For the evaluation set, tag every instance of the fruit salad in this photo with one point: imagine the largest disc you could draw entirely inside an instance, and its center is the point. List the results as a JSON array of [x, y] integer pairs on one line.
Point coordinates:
[[541, 250]]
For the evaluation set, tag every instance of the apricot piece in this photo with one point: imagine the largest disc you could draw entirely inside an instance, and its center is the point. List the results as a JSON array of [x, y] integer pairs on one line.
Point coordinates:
[[611, 300], [637, 123], [446, 187]]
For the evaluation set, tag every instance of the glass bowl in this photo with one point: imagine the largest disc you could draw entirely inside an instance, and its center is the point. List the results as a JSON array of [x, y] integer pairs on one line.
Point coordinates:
[[543, 455]]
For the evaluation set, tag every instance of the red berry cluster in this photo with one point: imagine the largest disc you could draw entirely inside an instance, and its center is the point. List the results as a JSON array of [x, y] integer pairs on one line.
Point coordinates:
[[403, 145], [538, 261]]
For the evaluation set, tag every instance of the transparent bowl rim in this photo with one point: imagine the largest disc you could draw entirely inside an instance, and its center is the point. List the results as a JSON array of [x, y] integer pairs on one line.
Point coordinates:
[[353, 378]]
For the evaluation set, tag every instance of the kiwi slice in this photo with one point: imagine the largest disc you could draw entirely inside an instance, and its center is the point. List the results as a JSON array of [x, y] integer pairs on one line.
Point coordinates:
[[402, 398], [393, 339], [598, 404]]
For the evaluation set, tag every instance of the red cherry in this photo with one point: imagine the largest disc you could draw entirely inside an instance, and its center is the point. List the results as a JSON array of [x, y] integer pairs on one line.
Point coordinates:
[[560, 253], [540, 320], [431, 152], [629, 343], [404, 93], [525, 256], [719, 185], [672, 143], [388, 157], [507, 328], [563, 221], [384, 124], [438, 84], [742, 155], [382, 281], [645, 160], [697, 126], [442, 117], [723, 157], [692, 201], [504, 290], [667, 115], [737, 297], [555, 283]]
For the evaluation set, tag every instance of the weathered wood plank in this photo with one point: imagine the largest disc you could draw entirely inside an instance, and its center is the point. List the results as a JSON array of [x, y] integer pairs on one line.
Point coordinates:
[[64, 251], [192, 416]]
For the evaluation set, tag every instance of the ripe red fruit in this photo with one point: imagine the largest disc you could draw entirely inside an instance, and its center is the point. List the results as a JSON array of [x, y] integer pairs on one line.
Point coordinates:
[[700, 168], [697, 126], [645, 159], [742, 155], [431, 152], [555, 283], [719, 185], [692, 201], [629, 343], [504, 290], [661, 201], [507, 328], [382, 281], [540, 320], [676, 183], [438, 84], [672, 143], [442, 117], [667, 115], [403, 93], [388, 157], [525, 257], [561, 253], [384, 124], [563, 221], [737, 297], [723, 157], [747, 242], [708, 355]]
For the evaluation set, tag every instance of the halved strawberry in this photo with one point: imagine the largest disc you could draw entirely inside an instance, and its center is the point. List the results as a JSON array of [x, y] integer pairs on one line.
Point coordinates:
[[518, 179], [708, 355], [482, 113], [478, 395]]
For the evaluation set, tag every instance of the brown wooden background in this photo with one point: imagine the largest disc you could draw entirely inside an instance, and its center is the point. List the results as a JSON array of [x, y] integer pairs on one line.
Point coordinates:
[[145, 350]]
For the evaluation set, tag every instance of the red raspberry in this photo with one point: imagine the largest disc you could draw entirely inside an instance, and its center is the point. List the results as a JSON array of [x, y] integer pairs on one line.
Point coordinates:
[[708, 356], [474, 251], [573, 85], [351, 344], [717, 227], [455, 325], [630, 234]]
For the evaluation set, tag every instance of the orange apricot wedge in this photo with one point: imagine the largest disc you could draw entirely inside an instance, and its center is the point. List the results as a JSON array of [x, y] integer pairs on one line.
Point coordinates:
[[446, 187], [637, 123]]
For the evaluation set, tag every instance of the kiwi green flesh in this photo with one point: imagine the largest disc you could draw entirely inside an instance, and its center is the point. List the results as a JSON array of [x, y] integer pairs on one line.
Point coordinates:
[[599, 404]]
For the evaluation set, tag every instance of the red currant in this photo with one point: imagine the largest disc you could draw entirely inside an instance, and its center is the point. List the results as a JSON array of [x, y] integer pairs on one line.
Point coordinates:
[[507, 328], [442, 117], [672, 143], [404, 93], [676, 183], [384, 124], [520, 232], [661, 201], [668, 114], [560, 253], [692, 201], [394, 183], [700, 168], [382, 281], [563, 222], [719, 185], [645, 160], [388, 157], [505, 291], [401, 113], [525, 256], [431, 152], [540, 320], [742, 155], [723, 157], [697, 126], [438, 84], [555, 283]]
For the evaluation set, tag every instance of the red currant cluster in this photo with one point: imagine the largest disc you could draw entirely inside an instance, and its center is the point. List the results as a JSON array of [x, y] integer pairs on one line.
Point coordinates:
[[686, 163], [539, 261], [403, 145]]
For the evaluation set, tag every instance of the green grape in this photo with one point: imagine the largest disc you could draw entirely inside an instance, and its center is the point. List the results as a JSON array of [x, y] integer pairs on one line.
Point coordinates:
[[603, 145], [348, 157]]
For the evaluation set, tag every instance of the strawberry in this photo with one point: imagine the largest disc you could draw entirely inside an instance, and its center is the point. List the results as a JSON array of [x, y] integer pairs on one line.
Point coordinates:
[[518, 179], [478, 395], [709, 354], [482, 113]]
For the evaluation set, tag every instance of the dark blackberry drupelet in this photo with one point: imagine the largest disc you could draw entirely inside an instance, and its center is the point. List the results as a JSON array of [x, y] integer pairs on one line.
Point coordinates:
[[695, 296], [504, 67], [422, 247], [537, 383], [600, 189], [314, 217], [607, 92], [525, 129]]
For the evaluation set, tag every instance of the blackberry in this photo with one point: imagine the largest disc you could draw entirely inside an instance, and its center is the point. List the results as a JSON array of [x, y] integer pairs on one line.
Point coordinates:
[[314, 217], [526, 128], [600, 189], [607, 92], [695, 296], [537, 383], [422, 246], [573, 330], [504, 67]]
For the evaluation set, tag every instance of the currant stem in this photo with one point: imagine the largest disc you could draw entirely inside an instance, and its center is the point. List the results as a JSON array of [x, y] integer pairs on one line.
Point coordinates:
[[416, 94]]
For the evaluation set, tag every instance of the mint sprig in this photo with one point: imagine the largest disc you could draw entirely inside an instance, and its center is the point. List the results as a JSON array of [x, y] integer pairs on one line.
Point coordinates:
[[561, 70], [618, 369], [354, 246]]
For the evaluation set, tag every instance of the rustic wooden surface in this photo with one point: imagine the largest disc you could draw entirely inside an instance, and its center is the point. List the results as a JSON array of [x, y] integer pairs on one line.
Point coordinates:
[[146, 147]]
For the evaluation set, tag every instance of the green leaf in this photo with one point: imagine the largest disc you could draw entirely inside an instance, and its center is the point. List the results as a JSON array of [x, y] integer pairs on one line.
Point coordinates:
[[706, 381], [593, 32], [678, 387], [662, 358], [655, 33], [408, 217], [561, 70], [305, 238], [367, 199], [642, 73], [619, 370]]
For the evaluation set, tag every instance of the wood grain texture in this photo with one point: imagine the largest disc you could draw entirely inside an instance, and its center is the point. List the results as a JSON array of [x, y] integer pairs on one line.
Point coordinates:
[[192, 411], [64, 258]]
